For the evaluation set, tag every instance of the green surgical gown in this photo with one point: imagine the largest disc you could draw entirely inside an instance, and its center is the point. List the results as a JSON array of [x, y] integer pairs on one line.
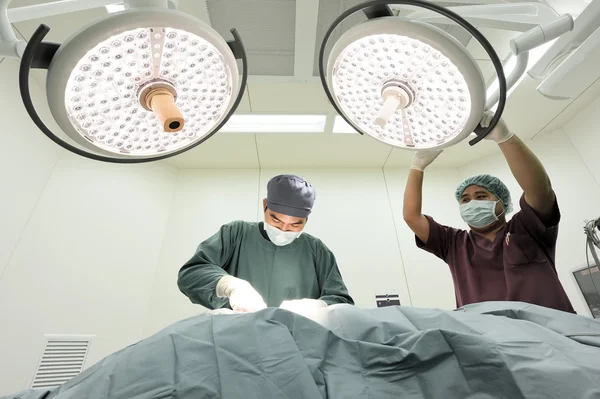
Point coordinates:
[[306, 268]]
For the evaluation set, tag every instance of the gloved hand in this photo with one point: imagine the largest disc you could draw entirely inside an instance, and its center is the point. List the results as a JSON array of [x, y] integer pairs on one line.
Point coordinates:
[[242, 296], [500, 133], [304, 307], [423, 159]]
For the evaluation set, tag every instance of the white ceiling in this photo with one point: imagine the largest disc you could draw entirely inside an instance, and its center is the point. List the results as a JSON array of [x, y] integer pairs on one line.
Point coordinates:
[[278, 35]]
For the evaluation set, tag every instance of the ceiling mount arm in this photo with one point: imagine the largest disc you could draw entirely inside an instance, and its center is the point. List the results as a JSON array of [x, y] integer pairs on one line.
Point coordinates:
[[527, 41], [10, 45], [518, 17], [511, 79], [378, 11], [60, 7], [135, 4]]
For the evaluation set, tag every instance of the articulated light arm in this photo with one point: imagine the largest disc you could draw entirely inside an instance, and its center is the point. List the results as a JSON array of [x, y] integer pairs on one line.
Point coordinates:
[[527, 41], [146, 4], [10, 45], [518, 17], [27, 13]]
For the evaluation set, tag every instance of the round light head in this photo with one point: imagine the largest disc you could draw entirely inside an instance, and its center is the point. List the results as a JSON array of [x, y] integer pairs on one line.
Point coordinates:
[[406, 83], [98, 80]]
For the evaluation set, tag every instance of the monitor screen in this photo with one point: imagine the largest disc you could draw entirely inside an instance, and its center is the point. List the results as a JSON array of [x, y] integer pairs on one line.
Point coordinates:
[[588, 280]]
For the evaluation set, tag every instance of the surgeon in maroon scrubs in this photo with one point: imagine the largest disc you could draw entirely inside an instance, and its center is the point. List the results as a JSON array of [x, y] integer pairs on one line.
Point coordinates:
[[496, 260]]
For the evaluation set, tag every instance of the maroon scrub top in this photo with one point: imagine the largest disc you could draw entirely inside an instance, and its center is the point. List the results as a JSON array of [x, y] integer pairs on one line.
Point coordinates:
[[517, 266]]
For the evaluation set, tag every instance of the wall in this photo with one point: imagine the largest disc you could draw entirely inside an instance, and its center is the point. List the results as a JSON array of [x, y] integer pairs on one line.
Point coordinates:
[[79, 243], [429, 278], [22, 180], [203, 201], [352, 215], [84, 263]]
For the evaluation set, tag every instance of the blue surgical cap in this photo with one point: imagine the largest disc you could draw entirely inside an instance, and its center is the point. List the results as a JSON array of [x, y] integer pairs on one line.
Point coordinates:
[[490, 183]]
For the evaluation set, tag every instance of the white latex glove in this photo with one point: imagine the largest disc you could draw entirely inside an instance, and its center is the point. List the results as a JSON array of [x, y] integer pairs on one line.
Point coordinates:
[[242, 296], [304, 307], [501, 133], [423, 159]]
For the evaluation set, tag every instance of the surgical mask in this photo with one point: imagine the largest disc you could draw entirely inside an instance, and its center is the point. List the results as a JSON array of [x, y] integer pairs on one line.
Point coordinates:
[[479, 213], [279, 237]]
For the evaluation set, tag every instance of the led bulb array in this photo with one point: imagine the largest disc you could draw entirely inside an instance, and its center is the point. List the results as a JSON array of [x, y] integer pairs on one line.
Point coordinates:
[[102, 91], [442, 100]]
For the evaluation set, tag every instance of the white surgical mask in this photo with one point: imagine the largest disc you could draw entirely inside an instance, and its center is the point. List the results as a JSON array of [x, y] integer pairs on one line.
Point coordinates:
[[478, 213], [279, 237]]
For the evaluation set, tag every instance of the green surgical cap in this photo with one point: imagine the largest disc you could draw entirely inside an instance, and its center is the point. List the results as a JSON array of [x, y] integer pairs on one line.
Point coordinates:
[[490, 183]]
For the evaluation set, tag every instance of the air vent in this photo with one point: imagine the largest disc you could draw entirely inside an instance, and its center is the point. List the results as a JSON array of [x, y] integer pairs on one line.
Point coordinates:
[[63, 358]]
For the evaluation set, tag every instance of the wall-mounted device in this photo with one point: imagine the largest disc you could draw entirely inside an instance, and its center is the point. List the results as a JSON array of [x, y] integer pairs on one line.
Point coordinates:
[[387, 300], [588, 280]]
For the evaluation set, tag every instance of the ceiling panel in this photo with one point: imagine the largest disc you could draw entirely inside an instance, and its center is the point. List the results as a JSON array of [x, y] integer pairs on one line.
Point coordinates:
[[244, 106], [223, 150], [265, 63], [270, 46], [321, 150], [328, 11], [528, 112], [295, 98], [571, 111], [61, 26]]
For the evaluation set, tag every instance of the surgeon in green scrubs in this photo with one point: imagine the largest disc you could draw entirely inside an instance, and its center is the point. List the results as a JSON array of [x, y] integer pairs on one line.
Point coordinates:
[[248, 266]]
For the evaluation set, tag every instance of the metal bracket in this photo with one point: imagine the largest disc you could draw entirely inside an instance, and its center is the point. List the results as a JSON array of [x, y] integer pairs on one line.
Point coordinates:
[[506, 16], [378, 11], [236, 48], [44, 55]]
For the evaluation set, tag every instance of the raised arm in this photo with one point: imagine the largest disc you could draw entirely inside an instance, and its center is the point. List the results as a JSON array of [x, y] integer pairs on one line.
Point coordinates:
[[413, 195], [526, 168]]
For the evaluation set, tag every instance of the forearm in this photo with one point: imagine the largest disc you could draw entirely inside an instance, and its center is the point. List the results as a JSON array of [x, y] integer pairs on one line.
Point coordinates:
[[333, 299], [199, 282], [332, 286], [529, 173], [413, 195]]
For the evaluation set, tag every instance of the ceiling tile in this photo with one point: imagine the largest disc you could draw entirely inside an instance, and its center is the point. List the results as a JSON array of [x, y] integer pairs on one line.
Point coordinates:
[[244, 107], [326, 150], [61, 26], [270, 64], [270, 46], [328, 12], [295, 98], [571, 111], [528, 112], [225, 150]]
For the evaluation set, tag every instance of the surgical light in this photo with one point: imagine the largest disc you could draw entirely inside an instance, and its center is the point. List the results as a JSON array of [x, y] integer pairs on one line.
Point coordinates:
[[138, 85], [407, 83], [410, 84]]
